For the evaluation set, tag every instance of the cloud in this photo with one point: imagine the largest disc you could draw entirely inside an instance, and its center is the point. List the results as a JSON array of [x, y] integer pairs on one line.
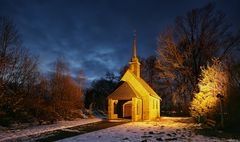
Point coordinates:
[[95, 36]]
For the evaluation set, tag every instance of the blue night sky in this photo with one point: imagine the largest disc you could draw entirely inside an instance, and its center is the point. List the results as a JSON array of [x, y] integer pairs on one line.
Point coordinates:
[[96, 36]]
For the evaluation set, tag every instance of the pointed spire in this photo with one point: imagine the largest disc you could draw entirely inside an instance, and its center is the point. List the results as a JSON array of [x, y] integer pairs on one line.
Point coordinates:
[[135, 45], [134, 63]]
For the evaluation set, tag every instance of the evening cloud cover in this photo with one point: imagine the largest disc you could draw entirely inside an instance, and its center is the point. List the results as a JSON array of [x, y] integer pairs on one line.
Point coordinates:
[[96, 36]]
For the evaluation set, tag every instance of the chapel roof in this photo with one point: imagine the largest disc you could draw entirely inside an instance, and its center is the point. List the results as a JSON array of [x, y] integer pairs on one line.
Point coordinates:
[[124, 91], [145, 85]]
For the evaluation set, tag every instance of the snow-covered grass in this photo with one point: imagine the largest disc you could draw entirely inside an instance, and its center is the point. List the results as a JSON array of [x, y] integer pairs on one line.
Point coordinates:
[[165, 129], [16, 134]]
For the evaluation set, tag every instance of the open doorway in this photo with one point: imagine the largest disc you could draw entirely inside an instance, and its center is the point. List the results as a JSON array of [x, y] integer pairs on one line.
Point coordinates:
[[127, 110], [124, 109]]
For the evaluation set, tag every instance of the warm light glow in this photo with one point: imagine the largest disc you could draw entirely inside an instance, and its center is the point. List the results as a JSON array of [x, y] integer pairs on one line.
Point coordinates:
[[214, 81]]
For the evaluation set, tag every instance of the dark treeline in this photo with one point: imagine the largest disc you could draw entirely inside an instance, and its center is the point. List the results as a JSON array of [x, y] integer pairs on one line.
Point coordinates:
[[25, 94], [96, 95]]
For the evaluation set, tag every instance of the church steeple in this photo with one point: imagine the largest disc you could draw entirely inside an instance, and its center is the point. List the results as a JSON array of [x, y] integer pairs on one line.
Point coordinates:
[[134, 63], [134, 45]]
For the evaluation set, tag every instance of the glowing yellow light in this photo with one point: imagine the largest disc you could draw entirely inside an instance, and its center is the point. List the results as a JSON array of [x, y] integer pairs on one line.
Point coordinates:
[[214, 81]]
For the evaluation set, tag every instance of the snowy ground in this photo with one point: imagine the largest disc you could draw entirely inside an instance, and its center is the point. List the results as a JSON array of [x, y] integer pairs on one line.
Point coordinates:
[[16, 134], [166, 129]]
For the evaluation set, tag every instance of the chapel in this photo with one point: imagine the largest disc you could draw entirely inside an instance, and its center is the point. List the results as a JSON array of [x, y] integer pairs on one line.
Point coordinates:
[[133, 98]]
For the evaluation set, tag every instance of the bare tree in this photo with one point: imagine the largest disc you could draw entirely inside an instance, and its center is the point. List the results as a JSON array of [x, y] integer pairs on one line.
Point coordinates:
[[149, 71], [195, 39], [66, 94], [18, 70], [25, 94]]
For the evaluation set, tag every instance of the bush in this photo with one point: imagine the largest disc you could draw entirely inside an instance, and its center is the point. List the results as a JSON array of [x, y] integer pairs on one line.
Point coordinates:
[[23, 117], [5, 121]]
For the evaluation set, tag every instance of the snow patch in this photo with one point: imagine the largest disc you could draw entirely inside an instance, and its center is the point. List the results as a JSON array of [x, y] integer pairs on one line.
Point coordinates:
[[37, 130], [166, 129]]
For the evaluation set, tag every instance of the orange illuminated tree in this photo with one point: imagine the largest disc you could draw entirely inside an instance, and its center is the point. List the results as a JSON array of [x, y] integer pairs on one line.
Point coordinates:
[[214, 80]]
